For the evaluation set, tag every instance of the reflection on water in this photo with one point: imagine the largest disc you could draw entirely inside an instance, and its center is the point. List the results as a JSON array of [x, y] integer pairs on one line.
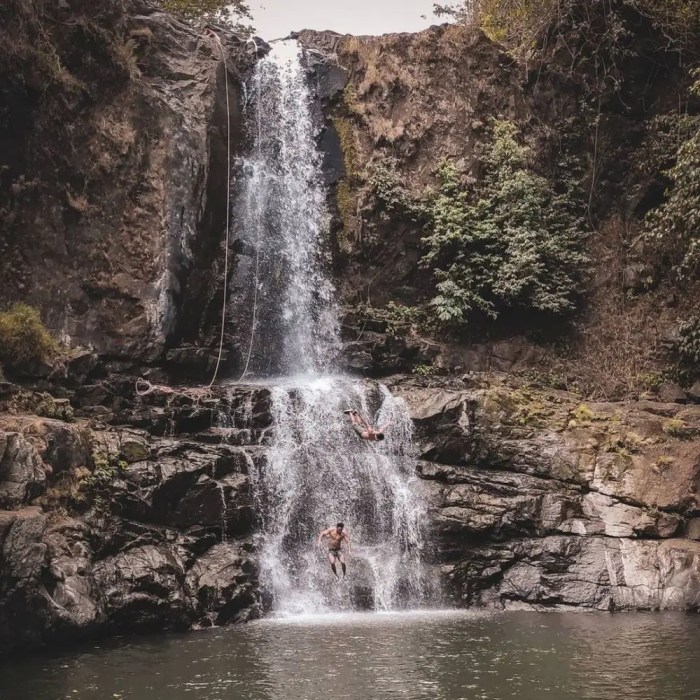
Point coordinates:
[[445, 656]]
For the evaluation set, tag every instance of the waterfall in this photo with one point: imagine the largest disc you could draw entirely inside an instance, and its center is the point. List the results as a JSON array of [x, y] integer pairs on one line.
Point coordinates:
[[283, 224], [317, 471]]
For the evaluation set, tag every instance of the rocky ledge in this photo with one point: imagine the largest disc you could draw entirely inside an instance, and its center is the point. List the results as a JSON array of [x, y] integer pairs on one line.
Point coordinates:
[[123, 511], [541, 501], [135, 514]]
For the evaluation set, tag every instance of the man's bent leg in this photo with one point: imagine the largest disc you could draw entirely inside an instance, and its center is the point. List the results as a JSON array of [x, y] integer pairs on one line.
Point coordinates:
[[331, 559]]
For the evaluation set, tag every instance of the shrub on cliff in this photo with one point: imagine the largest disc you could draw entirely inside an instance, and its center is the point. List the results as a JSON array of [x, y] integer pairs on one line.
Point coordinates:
[[208, 10], [512, 244], [23, 337], [526, 26], [675, 225], [687, 348]]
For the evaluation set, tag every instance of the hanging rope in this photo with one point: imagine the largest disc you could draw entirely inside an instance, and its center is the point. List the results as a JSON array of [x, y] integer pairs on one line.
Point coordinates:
[[257, 245], [143, 386], [228, 212]]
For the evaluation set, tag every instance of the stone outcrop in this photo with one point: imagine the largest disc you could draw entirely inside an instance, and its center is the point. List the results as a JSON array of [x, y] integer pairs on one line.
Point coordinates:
[[22, 473], [117, 173], [127, 528], [541, 501], [536, 501]]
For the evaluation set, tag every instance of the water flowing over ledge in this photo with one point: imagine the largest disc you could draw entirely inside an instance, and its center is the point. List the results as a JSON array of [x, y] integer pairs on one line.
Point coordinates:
[[317, 471]]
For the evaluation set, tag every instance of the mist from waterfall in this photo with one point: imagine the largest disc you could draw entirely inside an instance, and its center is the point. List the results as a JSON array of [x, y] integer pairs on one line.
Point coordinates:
[[317, 471]]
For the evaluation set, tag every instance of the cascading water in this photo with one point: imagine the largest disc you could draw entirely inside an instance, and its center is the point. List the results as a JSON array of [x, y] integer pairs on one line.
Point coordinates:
[[282, 224], [317, 471]]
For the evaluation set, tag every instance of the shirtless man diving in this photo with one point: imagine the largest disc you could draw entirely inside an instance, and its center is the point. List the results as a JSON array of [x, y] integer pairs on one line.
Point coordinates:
[[363, 428], [336, 535]]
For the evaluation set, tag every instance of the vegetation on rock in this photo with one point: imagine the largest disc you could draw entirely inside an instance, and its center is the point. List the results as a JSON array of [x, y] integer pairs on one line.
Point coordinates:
[[513, 243], [527, 25], [208, 10], [675, 225], [23, 337]]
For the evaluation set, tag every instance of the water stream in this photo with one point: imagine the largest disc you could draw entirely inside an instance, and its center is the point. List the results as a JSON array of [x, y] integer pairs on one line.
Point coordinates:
[[317, 472]]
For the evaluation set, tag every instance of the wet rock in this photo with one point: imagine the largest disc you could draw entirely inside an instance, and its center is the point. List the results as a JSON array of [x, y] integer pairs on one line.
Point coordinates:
[[223, 583], [143, 585], [22, 471], [62, 446]]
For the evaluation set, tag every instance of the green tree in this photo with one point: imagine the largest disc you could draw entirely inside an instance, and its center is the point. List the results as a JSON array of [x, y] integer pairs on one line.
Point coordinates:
[[515, 243], [209, 10], [675, 225]]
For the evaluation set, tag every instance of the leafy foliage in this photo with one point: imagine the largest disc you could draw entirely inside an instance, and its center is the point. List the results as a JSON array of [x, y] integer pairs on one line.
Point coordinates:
[[425, 371], [23, 337], [675, 225], [525, 25], [688, 346], [513, 244], [108, 468], [208, 10], [391, 192], [398, 320], [678, 429]]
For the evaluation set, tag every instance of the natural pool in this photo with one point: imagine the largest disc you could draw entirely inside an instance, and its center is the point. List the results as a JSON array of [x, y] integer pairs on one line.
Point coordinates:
[[431, 655]]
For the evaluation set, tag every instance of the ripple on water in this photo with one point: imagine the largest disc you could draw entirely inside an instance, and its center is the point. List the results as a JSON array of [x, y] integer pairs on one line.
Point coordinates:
[[417, 655]]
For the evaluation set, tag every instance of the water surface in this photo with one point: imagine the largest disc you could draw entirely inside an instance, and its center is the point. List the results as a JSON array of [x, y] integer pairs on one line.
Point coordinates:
[[431, 656]]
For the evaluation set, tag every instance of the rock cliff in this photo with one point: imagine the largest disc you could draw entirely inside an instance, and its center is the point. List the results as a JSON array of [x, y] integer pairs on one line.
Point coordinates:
[[140, 516], [113, 167], [120, 511], [138, 513], [409, 102], [540, 501]]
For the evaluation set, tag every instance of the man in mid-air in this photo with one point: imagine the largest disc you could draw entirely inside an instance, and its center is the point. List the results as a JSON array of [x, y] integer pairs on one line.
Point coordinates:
[[336, 535], [363, 428]]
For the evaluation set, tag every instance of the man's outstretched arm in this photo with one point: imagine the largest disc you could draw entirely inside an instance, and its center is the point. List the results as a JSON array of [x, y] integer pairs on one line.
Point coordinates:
[[346, 537], [321, 535]]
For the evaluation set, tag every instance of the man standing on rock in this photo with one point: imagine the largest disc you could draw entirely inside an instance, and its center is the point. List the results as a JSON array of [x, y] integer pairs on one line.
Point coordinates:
[[335, 536]]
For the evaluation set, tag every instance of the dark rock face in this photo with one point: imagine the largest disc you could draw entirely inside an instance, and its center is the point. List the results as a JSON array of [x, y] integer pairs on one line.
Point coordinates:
[[129, 529], [22, 473], [133, 193], [535, 500], [540, 502]]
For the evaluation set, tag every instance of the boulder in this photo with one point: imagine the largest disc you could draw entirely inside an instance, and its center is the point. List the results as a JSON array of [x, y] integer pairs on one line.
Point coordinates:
[[61, 446], [222, 582], [672, 393], [22, 471], [694, 392]]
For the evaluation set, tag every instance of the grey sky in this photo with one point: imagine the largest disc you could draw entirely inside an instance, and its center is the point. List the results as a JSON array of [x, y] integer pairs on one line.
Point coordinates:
[[276, 18]]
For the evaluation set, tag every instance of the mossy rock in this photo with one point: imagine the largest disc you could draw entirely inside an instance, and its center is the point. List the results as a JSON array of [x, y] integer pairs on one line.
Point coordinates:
[[132, 451]]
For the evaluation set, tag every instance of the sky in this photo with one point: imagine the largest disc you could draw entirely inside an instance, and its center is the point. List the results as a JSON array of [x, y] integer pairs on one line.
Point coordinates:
[[277, 18]]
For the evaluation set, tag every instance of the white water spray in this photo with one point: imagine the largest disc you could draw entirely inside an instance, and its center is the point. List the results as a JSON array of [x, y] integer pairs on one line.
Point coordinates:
[[317, 471], [283, 223]]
